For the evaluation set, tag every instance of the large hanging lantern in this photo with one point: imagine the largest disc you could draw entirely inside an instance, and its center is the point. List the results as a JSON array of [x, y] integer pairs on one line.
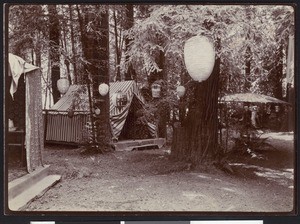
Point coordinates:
[[119, 99], [156, 90], [199, 57], [180, 91], [63, 85], [103, 89]]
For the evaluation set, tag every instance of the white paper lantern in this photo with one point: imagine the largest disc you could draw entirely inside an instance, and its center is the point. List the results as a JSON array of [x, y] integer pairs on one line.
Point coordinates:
[[199, 57], [97, 111], [103, 89], [180, 91], [63, 85]]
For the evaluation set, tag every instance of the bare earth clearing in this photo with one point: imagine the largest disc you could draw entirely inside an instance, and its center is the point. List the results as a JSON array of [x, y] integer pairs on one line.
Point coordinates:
[[150, 181]]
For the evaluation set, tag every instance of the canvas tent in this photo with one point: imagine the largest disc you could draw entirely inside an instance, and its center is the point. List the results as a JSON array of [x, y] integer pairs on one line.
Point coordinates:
[[64, 129], [24, 96]]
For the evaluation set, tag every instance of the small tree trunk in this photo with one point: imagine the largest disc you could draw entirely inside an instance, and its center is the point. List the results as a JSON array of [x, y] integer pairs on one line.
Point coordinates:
[[117, 48], [247, 69], [73, 44], [278, 74]]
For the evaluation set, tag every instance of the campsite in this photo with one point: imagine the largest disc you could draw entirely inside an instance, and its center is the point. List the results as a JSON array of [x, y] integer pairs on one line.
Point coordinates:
[[150, 108]]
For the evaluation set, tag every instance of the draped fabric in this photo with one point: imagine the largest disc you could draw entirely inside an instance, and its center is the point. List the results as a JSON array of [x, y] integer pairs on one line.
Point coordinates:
[[17, 67], [34, 121]]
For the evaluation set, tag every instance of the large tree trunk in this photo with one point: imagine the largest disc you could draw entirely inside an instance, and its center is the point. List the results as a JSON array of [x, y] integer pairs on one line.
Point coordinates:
[[95, 49], [130, 73], [103, 121], [54, 35], [196, 140]]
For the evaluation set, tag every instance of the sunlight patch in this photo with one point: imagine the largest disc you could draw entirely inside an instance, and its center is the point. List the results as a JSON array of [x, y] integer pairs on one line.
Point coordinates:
[[228, 189], [192, 195]]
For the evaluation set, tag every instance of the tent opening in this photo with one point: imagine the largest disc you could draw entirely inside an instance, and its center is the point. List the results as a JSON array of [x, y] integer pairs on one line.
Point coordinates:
[[133, 127]]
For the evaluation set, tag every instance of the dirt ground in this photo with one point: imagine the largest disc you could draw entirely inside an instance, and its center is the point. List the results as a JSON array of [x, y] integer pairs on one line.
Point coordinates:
[[150, 181]]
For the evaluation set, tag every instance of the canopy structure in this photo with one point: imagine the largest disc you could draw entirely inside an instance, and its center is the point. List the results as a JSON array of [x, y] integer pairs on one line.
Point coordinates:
[[34, 134], [251, 98], [61, 128]]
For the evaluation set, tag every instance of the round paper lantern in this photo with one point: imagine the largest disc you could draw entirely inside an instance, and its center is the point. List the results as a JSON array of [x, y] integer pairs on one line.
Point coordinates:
[[63, 85], [103, 89], [10, 123], [97, 111], [180, 91], [155, 89], [119, 99], [199, 57]]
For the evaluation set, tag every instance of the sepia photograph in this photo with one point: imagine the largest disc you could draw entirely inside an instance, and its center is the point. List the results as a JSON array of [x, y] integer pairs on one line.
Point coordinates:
[[149, 108]]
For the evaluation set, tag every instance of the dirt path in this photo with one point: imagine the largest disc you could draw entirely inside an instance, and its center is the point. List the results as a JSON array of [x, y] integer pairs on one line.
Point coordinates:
[[148, 181]]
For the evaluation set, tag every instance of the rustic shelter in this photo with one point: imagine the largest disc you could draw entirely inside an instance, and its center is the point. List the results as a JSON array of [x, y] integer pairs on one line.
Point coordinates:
[[63, 128]]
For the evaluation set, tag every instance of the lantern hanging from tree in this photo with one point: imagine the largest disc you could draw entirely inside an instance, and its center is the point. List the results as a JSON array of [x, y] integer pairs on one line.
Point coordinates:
[[199, 57], [156, 90], [119, 99], [103, 89], [63, 85], [180, 91], [97, 111]]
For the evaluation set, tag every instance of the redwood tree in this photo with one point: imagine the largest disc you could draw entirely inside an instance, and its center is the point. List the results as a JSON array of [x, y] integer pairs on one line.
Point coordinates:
[[130, 72], [94, 38], [54, 35]]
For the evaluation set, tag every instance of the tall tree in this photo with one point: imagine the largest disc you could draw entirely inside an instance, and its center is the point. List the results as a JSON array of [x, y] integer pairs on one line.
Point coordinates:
[[94, 37], [130, 72], [54, 40], [233, 34]]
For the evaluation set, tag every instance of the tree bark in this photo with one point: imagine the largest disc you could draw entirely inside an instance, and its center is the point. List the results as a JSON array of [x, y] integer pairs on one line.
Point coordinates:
[[74, 61], [54, 35], [103, 127], [278, 73], [95, 48], [247, 85], [196, 140], [117, 48], [130, 73]]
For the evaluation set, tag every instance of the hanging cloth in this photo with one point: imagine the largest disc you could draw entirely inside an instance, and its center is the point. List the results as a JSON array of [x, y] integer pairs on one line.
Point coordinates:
[[17, 66]]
